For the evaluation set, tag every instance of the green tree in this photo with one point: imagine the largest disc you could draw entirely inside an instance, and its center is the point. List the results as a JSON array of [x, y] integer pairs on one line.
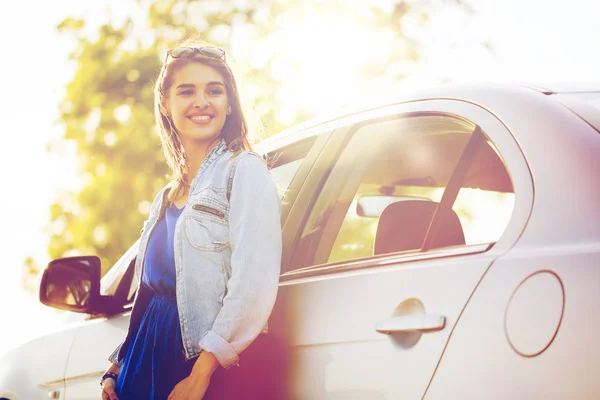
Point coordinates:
[[108, 108]]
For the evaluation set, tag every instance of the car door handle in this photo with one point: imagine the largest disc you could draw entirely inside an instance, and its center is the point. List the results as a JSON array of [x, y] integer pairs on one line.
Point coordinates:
[[411, 323]]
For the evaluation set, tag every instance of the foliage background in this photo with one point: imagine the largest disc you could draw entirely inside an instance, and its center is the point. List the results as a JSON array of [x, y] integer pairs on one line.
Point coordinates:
[[274, 47]]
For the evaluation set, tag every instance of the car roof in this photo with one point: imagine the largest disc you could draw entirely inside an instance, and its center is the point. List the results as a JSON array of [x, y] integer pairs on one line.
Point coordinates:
[[465, 92], [566, 87]]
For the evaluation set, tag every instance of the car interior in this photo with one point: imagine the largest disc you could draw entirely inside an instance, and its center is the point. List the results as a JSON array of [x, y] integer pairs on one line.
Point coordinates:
[[416, 173]]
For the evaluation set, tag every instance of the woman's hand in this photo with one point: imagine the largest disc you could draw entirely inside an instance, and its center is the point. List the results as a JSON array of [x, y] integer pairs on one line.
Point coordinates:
[[108, 389], [109, 384], [191, 388]]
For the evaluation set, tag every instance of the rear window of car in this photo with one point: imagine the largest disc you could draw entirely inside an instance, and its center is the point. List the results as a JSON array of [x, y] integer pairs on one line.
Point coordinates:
[[585, 104]]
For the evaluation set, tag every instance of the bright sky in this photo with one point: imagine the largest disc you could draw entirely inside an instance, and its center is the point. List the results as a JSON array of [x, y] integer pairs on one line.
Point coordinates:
[[533, 40]]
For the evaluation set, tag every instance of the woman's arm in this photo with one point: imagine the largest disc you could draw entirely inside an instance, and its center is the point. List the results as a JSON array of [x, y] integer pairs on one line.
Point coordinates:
[[114, 368], [205, 365], [196, 384], [108, 385], [255, 239]]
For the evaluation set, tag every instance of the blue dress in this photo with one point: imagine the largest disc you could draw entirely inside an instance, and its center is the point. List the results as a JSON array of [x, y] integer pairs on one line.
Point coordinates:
[[154, 361]]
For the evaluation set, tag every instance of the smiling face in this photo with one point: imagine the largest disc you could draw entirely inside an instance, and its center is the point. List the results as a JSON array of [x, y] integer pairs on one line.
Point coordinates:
[[192, 96], [198, 104]]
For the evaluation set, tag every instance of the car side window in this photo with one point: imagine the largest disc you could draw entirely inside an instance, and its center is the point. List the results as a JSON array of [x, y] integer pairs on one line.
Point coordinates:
[[486, 198], [385, 188], [285, 162], [118, 275]]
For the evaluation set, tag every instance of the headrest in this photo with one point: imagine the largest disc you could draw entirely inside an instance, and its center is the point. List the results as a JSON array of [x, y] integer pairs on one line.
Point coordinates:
[[404, 224]]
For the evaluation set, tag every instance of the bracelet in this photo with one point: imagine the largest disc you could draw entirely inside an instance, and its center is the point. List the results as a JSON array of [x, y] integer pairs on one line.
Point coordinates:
[[106, 375]]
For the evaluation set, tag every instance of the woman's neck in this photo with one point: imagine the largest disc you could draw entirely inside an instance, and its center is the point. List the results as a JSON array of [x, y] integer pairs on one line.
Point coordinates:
[[196, 152]]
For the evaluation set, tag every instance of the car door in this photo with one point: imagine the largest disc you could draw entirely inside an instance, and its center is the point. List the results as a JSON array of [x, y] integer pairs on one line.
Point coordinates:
[[396, 224]]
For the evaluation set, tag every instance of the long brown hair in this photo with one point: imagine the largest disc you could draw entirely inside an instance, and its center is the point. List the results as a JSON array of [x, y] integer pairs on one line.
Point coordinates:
[[235, 130]]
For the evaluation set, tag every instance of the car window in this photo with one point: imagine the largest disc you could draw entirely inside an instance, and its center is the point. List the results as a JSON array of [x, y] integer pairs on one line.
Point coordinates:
[[111, 281], [285, 162], [384, 190], [486, 199], [130, 283]]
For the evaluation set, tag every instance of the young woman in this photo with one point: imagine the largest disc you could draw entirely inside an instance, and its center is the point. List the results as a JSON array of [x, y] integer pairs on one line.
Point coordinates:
[[210, 252]]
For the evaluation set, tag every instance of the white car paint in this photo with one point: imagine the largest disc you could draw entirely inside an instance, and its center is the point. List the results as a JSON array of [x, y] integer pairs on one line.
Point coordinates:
[[487, 347]]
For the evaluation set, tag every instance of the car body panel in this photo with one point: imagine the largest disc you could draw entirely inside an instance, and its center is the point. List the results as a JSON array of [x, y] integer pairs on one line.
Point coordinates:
[[337, 353], [37, 368], [88, 359], [562, 238], [480, 361]]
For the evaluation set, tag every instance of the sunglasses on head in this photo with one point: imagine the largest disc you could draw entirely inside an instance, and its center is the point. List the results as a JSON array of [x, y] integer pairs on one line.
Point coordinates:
[[207, 51]]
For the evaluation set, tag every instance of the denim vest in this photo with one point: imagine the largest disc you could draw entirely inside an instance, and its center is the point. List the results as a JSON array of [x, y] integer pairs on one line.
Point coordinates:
[[227, 255]]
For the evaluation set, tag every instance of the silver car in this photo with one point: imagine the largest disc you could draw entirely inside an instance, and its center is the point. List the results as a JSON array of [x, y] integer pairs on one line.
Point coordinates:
[[443, 246]]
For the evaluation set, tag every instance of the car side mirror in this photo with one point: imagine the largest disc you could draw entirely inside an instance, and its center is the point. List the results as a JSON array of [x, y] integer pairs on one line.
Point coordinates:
[[72, 283]]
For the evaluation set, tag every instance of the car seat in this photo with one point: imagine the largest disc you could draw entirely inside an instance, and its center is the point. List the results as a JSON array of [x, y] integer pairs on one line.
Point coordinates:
[[404, 224]]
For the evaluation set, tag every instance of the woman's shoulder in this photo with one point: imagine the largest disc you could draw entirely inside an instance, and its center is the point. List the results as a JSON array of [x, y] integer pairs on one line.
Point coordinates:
[[246, 165], [235, 156], [248, 158]]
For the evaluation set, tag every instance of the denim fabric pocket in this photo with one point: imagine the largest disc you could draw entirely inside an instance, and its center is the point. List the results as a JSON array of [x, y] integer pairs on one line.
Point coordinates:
[[206, 225]]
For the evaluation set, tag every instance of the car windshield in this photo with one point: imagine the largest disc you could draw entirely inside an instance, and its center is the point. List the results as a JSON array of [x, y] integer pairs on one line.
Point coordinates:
[[584, 104]]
